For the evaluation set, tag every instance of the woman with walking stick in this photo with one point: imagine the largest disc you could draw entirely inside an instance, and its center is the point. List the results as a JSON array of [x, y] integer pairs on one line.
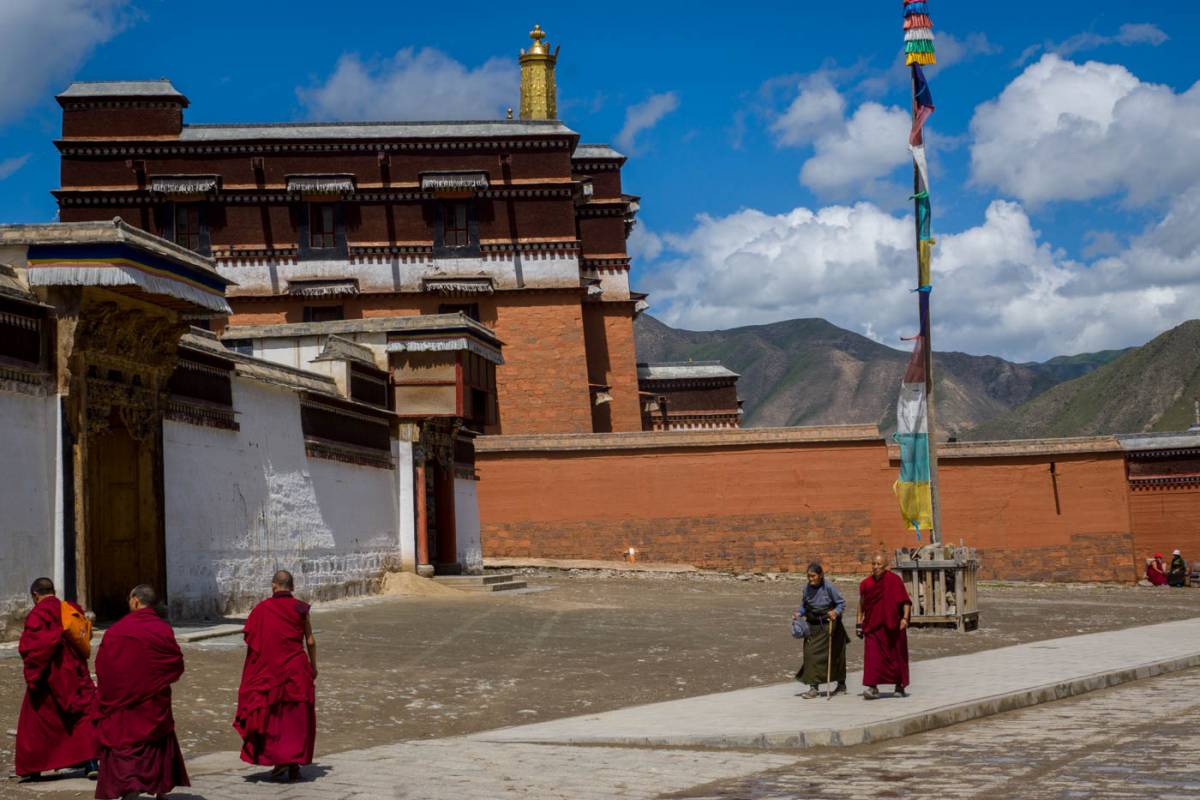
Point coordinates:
[[822, 607]]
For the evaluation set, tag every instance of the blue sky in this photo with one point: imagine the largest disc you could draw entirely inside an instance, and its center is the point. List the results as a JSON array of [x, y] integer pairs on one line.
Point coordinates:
[[767, 146]]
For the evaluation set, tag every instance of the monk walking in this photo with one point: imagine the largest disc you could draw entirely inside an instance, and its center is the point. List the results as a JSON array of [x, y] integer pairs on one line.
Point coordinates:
[[135, 667], [884, 609], [276, 713], [57, 724]]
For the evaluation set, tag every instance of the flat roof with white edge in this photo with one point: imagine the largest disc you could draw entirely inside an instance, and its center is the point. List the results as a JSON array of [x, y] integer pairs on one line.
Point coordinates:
[[684, 370], [411, 325], [115, 255], [84, 90]]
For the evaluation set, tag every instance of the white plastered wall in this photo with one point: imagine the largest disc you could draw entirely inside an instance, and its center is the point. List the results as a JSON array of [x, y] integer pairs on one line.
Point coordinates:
[[29, 501], [407, 274], [240, 505], [466, 525]]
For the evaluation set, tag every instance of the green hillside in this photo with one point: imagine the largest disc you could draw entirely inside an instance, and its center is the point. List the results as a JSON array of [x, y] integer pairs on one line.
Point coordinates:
[[1147, 388], [811, 372]]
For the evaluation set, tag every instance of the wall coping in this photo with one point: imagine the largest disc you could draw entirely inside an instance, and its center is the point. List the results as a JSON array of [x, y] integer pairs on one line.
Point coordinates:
[[1013, 448], [661, 440]]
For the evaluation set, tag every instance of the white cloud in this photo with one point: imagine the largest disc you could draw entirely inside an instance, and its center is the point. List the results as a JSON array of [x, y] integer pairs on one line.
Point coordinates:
[[855, 157], [1068, 131], [818, 108], [644, 244], [643, 116], [851, 155], [43, 42], [999, 288], [953, 50], [1128, 35], [10, 165], [413, 84]]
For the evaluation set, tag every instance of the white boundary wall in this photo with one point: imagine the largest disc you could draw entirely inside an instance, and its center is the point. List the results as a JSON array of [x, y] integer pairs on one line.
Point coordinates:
[[240, 505], [29, 522], [466, 525]]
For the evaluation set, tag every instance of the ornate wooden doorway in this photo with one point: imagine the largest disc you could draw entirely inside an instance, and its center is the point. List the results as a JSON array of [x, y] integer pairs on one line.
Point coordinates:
[[125, 536]]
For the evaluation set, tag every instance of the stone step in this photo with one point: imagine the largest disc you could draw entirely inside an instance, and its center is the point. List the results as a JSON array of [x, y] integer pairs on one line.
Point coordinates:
[[491, 582]]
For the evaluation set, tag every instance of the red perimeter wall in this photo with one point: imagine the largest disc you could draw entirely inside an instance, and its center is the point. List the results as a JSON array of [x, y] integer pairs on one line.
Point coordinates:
[[772, 500]]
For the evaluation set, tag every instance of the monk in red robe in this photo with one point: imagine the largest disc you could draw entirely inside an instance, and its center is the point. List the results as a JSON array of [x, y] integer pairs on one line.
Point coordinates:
[[884, 609], [276, 712], [137, 663], [57, 725]]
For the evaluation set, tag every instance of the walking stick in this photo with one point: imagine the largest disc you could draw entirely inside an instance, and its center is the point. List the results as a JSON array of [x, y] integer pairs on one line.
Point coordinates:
[[829, 663]]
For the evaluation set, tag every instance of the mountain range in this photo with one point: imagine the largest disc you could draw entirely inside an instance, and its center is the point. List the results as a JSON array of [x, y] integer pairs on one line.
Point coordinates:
[[811, 372]]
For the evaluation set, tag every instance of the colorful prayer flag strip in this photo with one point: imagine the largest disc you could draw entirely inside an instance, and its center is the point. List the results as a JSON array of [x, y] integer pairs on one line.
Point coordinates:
[[912, 435]]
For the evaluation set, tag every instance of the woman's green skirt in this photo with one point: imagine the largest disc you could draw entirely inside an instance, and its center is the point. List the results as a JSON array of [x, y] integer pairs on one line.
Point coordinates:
[[816, 654]]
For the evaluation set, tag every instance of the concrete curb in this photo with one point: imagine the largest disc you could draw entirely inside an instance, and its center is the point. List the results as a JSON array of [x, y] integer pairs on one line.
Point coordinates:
[[185, 636], [897, 727]]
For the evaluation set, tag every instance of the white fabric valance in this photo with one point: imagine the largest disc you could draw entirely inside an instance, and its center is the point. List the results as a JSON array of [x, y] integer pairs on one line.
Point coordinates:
[[183, 184], [454, 181], [448, 344], [320, 184], [460, 286]]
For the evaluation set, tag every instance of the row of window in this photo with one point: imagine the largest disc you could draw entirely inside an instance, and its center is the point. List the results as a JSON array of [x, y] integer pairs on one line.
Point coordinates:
[[325, 231]]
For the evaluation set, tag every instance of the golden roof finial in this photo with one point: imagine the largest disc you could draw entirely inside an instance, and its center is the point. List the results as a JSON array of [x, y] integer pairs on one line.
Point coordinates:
[[538, 91], [537, 34]]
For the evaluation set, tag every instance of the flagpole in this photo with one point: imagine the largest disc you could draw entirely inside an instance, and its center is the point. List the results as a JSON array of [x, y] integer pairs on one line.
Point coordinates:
[[926, 316]]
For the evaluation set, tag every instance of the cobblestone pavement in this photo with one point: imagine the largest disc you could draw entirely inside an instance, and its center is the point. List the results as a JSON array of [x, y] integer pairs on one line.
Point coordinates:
[[1138, 740]]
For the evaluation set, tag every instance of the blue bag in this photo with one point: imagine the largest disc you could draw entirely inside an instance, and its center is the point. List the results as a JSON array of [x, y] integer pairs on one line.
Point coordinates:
[[800, 627]]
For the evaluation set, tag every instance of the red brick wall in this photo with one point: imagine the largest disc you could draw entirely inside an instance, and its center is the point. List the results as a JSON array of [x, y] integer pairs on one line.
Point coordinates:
[[1165, 518], [693, 505], [602, 235], [1007, 507], [542, 385], [612, 361], [122, 122], [774, 507]]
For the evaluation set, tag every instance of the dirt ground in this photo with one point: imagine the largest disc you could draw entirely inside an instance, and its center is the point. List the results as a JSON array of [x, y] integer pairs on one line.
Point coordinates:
[[403, 668]]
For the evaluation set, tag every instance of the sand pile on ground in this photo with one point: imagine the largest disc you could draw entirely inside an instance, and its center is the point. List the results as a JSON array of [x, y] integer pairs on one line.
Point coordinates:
[[410, 584]]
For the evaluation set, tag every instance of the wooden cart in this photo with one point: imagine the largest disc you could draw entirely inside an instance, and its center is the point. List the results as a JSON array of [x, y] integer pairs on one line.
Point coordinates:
[[943, 584]]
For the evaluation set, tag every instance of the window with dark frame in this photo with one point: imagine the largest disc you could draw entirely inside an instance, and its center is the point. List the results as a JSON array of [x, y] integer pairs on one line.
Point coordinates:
[[470, 309], [456, 230], [187, 225], [323, 313], [322, 234]]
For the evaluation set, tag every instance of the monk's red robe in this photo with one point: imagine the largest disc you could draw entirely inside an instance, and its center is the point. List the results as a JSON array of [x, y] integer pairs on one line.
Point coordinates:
[[1155, 574], [135, 667], [57, 725], [882, 601], [276, 714]]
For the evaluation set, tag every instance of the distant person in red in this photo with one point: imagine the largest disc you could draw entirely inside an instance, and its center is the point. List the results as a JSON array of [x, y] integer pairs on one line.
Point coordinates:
[[57, 725], [135, 667], [883, 614], [276, 713], [1156, 571]]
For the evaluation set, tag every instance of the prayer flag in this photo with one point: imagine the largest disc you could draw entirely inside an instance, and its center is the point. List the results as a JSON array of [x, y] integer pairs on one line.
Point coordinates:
[[924, 223], [924, 102], [918, 154], [925, 262], [912, 434]]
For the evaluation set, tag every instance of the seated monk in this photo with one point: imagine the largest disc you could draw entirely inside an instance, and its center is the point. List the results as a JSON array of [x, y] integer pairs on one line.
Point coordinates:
[[57, 724], [137, 663], [276, 713], [1156, 571]]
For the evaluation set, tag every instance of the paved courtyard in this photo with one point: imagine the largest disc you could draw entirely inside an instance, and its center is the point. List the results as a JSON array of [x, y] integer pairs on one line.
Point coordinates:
[[401, 678]]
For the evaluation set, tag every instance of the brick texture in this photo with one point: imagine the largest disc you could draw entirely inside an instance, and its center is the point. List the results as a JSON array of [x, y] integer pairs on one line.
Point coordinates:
[[772, 508], [612, 361], [1166, 518], [542, 386]]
